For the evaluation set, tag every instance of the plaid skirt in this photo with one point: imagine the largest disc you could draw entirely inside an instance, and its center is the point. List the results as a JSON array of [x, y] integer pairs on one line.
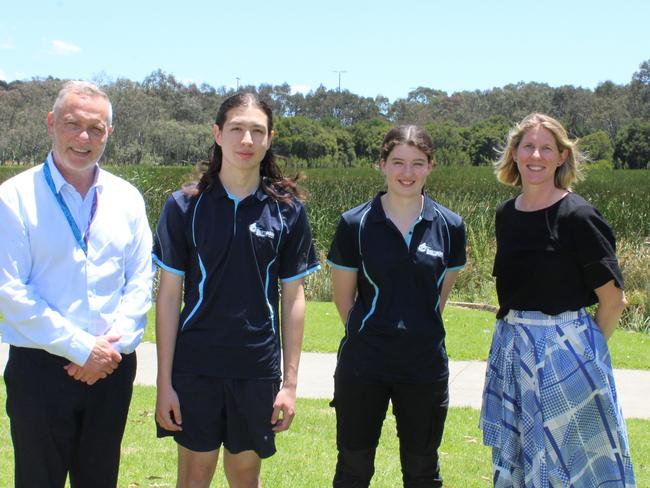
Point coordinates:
[[550, 408]]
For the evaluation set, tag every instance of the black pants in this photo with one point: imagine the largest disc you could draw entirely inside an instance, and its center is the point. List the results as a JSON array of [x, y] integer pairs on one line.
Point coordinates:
[[60, 425], [420, 411]]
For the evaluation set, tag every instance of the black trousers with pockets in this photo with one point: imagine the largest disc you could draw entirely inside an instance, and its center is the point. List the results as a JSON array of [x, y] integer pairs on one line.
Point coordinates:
[[420, 411], [60, 426]]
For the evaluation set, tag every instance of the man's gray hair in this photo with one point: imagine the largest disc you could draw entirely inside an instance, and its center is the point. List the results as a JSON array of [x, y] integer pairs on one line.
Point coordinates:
[[82, 88]]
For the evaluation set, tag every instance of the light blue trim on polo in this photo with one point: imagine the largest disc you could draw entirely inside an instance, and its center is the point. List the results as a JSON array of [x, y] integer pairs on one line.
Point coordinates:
[[456, 268], [446, 227], [409, 234], [442, 277], [268, 269], [201, 266], [374, 300], [365, 272], [200, 300], [338, 266], [301, 275], [162, 265], [236, 201], [194, 218]]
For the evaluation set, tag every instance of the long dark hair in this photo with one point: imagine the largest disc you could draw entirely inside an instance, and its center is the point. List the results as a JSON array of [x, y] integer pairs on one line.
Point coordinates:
[[274, 184]]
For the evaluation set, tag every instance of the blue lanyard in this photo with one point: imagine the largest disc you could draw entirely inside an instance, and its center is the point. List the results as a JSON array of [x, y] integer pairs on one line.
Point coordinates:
[[81, 240]]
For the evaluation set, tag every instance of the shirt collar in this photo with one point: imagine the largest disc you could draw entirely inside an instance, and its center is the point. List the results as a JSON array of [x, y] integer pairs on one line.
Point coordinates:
[[377, 213], [220, 191], [59, 181]]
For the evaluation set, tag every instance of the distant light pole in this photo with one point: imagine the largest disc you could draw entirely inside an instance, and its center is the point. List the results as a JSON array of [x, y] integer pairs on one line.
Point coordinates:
[[237, 78], [339, 71]]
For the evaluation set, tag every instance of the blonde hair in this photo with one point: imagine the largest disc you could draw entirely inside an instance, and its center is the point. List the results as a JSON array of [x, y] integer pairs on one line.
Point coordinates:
[[566, 174], [82, 88]]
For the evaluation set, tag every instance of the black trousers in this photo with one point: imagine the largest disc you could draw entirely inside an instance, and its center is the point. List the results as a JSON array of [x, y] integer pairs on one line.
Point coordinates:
[[420, 411], [60, 426]]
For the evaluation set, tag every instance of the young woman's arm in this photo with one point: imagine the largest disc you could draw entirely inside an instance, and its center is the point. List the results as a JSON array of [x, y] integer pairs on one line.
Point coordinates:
[[611, 302], [168, 304], [293, 326], [447, 285], [344, 288]]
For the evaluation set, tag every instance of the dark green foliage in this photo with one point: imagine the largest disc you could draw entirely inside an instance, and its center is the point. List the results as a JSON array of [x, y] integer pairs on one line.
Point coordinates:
[[161, 120], [449, 144], [486, 139], [597, 146], [632, 146]]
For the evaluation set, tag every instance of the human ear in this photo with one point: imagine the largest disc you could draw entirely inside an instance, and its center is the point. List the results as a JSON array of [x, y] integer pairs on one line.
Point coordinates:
[[216, 133]]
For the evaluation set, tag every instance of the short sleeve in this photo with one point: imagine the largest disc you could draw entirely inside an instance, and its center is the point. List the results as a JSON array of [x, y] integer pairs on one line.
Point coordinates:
[[344, 251], [298, 256], [170, 247], [595, 247], [457, 252]]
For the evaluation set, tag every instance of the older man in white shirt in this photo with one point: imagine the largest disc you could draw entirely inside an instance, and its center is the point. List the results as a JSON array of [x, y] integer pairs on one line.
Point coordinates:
[[75, 286]]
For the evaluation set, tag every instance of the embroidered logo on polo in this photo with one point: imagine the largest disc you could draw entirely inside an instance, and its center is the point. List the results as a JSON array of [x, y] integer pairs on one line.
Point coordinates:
[[259, 232], [424, 247]]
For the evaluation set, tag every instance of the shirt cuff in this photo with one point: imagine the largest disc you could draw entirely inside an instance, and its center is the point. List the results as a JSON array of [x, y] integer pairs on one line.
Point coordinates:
[[81, 345]]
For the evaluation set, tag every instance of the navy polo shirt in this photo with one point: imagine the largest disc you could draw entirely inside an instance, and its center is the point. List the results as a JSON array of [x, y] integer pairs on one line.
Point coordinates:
[[394, 331], [232, 253]]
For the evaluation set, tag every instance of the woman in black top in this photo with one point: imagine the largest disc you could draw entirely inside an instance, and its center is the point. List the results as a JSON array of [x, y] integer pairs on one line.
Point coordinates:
[[550, 407]]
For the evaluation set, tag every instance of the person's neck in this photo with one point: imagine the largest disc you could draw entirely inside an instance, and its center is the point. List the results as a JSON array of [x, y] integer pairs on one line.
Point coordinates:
[[81, 181], [402, 211], [239, 183], [537, 198]]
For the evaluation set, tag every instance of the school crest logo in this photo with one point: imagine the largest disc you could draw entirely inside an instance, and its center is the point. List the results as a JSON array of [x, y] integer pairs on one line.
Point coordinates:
[[259, 232], [424, 247]]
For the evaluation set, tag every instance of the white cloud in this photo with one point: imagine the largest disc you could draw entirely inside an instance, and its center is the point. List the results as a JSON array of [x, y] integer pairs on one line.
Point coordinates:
[[7, 44], [63, 48], [304, 89]]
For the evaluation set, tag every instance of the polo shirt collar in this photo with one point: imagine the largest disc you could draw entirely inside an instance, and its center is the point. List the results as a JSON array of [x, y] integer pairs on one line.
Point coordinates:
[[220, 191], [59, 181], [377, 213]]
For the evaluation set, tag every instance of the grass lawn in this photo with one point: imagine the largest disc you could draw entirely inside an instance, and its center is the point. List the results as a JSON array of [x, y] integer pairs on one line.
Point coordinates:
[[469, 333], [306, 453]]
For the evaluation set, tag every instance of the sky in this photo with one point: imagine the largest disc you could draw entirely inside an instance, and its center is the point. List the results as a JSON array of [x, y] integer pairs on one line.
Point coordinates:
[[375, 47]]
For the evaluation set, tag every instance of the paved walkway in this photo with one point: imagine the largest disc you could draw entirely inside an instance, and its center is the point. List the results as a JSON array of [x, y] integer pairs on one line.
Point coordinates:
[[465, 381]]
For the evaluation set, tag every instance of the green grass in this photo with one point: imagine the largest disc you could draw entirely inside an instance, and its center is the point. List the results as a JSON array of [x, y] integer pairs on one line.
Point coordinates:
[[469, 333], [307, 454]]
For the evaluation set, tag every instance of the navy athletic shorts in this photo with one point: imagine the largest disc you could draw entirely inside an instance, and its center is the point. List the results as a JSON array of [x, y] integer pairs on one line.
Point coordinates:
[[233, 412]]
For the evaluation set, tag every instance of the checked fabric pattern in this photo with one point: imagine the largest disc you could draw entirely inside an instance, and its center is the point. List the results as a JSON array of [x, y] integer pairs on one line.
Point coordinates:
[[550, 407]]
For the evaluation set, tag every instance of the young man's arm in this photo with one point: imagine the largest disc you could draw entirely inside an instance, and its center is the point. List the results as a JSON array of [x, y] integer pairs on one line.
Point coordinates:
[[168, 304], [292, 325]]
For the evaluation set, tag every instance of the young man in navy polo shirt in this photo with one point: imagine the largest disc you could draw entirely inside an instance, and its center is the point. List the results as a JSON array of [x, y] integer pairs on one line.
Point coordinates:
[[222, 248]]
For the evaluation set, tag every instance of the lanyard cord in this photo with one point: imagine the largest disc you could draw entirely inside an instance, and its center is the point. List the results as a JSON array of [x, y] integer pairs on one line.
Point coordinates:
[[81, 240]]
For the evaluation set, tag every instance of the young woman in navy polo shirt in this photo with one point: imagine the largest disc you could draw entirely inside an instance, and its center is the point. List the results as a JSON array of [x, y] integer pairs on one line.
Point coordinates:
[[394, 261], [223, 247], [550, 409]]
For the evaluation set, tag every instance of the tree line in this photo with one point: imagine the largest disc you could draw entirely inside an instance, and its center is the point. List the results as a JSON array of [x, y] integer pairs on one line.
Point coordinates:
[[163, 121]]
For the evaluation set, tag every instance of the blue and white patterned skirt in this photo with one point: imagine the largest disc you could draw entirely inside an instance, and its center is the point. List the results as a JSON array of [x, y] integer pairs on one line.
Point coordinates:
[[550, 407]]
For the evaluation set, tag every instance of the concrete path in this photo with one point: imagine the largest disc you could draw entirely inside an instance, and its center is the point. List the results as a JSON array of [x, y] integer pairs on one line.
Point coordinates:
[[465, 381]]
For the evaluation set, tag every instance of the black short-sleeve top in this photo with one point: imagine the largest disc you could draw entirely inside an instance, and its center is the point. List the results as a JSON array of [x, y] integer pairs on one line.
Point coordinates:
[[232, 254], [552, 259], [394, 331]]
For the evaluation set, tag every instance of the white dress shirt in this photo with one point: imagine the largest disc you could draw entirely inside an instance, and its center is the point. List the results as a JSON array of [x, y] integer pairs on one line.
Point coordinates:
[[52, 295]]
